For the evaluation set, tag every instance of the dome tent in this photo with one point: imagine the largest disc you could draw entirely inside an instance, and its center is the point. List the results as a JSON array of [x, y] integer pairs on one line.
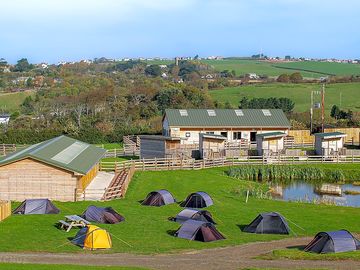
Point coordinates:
[[199, 231], [269, 223], [36, 207], [105, 215], [201, 215], [333, 242], [198, 199], [92, 237], [159, 198]]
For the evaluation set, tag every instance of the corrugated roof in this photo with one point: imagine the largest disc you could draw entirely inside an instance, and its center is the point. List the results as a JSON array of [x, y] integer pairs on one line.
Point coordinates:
[[330, 135], [227, 118], [63, 152], [271, 134]]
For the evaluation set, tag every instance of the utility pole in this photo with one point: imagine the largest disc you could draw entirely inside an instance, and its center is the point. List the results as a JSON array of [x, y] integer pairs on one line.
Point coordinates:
[[322, 107], [311, 111]]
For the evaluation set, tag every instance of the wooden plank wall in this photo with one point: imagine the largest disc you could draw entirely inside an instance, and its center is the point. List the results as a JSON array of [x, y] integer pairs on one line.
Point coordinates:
[[86, 179], [5, 209], [302, 136], [352, 133]]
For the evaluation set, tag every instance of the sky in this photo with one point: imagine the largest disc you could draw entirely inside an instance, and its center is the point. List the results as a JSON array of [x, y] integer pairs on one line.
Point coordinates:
[[70, 30]]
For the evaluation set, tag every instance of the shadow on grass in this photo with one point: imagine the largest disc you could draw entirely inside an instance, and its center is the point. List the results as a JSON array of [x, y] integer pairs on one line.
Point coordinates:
[[299, 247], [241, 226], [171, 232]]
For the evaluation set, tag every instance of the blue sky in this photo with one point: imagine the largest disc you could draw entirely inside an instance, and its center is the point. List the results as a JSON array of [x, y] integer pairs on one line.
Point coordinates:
[[55, 30]]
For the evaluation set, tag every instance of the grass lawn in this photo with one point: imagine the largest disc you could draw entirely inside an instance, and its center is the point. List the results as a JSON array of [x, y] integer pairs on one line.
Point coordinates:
[[299, 93], [111, 146], [19, 266], [11, 101], [298, 254], [147, 229], [111, 159]]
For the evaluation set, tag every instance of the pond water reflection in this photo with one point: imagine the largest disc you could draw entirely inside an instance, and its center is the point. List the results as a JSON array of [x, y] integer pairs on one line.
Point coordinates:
[[328, 193]]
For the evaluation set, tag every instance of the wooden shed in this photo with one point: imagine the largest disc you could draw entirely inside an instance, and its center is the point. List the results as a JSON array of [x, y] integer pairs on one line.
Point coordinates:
[[54, 169], [329, 144], [211, 146], [157, 146], [271, 143]]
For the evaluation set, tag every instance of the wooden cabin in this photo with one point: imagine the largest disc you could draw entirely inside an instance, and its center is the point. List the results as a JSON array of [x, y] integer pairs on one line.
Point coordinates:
[[269, 144], [157, 146], [235, 125], [329, 144], [55, 169], [211, 146]]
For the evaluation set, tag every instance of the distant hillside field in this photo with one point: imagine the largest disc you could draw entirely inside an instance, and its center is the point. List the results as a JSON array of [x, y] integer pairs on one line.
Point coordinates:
[[299, 93], [10, 102], [308, 69]]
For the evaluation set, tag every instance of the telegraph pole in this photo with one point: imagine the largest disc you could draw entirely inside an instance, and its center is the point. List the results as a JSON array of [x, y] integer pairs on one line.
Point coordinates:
[[322, 107], [311, 111]]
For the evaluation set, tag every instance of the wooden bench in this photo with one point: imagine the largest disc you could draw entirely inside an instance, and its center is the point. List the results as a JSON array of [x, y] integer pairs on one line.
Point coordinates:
[[64, 225]]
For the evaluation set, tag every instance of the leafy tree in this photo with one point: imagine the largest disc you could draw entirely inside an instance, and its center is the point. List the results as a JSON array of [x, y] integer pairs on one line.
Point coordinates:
[[284, 78], [3, 62], [23, 65], [335, 112], [153, 70]]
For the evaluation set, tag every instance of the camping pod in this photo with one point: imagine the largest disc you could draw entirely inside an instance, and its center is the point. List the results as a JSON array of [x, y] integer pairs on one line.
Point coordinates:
[[268, 223], [105, 215], [36, 207], [92, 237], [333, 242], [159, 198], [199, 231], [195, 214], [198, 199]]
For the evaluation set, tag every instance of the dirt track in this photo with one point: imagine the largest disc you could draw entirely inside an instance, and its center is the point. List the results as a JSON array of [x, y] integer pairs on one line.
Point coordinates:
[[221, 258]]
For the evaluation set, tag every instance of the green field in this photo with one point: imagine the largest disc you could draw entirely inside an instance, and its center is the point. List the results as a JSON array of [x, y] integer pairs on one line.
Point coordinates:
[[10, 102], [308, 69], [299, 93], [147, 229], [19, 266]]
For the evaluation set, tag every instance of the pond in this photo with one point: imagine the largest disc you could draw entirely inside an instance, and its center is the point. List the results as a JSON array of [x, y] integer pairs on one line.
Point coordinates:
[[326, 193]]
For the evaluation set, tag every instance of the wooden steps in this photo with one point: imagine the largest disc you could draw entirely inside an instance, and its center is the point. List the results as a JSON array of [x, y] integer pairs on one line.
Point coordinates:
[[118, 185]]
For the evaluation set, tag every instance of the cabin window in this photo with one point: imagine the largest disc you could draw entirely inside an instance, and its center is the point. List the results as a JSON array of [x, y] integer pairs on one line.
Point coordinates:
[[187, 134], [253, 136], [224, 134], [236, 135]]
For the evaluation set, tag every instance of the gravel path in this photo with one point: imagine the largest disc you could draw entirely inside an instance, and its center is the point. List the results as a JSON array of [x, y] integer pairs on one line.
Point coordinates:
[[220, 258]]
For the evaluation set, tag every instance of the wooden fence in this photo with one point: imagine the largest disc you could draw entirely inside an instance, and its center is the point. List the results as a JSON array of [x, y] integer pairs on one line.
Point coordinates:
[[5, 209], [192, 164], [6, 149]]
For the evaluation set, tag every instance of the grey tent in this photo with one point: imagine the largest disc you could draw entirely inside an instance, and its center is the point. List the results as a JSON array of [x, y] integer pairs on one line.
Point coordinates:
[[271, 223], [199, 231], [105, 215], [201, 215], [198, 199], [333, 242], [159, 198], [36, 206]]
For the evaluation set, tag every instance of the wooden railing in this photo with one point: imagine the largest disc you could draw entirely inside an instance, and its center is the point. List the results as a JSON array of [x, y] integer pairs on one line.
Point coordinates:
[[6, 149], [5, 209], [192, 164]]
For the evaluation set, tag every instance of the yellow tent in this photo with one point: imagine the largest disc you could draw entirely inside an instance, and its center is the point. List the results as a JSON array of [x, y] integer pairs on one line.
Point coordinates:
[[93, 237]]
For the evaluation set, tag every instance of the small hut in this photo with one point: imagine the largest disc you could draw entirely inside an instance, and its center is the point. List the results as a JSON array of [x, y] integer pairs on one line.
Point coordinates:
[[270, 143], [329, 144], [156, 146], [211, 146]]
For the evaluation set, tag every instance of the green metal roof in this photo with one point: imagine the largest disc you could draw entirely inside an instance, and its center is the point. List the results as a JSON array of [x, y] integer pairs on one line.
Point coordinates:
[[226, 118], [63, 152], [330, 134], [271, 135]]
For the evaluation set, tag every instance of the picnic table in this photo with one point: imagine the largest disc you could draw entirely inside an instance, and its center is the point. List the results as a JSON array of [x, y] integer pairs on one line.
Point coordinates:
[[73, 221]]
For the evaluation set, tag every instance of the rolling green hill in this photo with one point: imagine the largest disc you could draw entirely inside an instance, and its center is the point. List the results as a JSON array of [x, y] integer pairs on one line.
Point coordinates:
[[299, 93], [11, 102]]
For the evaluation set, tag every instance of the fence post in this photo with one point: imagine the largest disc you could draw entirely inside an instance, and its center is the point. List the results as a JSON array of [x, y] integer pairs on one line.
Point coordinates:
[[155, 164], [143, 164]]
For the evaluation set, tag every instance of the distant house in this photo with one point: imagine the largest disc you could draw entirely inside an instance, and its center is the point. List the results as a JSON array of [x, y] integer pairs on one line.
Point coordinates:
[[235, 125], [4, 119], [56, 169], [252, 76]]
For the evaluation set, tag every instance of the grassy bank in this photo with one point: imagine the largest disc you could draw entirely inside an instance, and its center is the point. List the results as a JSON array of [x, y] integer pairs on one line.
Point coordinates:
[[20, 266], [10, 102], [147, 229]]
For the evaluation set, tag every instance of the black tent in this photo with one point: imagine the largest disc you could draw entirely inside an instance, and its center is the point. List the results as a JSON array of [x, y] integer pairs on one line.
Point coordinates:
[[195, 214], [198, 199], [199, 231], [36, 206], [333, 242], [271, 223], [159, 198], [105, 215]]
